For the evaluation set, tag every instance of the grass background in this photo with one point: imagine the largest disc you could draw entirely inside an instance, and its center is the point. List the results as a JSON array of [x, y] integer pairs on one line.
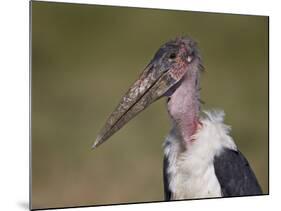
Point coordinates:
[[84, 58]]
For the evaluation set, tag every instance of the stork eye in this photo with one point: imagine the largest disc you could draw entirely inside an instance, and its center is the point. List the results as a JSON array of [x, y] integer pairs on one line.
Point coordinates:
[[172, 56]]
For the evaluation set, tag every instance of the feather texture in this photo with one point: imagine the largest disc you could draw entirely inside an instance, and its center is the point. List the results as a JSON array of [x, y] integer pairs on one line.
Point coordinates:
[[202, 169]]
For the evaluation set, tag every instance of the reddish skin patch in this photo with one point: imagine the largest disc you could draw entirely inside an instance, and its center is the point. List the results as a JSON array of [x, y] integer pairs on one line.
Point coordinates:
[[183, 106], [197, 126], [182, 65], [178, 72]]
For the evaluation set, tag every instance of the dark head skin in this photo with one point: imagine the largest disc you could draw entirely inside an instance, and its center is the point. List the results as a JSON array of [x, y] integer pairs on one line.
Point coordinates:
[[175, 62]]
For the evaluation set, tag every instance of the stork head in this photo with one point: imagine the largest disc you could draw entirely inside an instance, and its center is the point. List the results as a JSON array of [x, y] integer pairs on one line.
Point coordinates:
[[161, 77]]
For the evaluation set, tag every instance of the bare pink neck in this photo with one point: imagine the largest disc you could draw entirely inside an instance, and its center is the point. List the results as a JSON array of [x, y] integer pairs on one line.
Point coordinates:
[[183, 107]]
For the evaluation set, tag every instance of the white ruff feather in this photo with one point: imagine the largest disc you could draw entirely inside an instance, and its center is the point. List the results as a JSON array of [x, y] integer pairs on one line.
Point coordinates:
[[191, 170]]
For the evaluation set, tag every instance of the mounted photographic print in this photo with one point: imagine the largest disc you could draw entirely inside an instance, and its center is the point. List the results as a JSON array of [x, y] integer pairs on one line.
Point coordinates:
[[134, 105]]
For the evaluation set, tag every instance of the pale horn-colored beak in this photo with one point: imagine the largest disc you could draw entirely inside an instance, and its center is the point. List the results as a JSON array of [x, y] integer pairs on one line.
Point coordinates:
[[152, 84]]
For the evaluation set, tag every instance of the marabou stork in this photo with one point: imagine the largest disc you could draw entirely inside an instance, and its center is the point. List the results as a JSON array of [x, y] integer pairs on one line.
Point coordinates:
[[201, 160]]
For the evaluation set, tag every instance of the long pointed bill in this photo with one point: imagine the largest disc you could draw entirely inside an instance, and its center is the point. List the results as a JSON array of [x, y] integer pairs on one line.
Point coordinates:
[[152, 84]]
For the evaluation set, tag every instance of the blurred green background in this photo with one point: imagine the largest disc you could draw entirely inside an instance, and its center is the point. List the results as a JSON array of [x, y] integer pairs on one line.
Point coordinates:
[[84, 58]]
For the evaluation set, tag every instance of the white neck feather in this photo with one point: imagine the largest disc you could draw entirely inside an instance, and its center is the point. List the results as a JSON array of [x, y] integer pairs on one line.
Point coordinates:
[[191, 169]]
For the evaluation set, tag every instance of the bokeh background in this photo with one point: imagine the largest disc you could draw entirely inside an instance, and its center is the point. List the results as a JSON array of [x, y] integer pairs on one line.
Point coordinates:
[[84, 57]]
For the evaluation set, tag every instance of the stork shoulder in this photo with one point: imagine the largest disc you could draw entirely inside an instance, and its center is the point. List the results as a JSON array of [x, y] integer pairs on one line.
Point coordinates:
[[235, 174]]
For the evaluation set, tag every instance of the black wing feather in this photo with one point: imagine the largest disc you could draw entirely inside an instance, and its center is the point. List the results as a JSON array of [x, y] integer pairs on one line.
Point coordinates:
[[166, 179], [235, 175]]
